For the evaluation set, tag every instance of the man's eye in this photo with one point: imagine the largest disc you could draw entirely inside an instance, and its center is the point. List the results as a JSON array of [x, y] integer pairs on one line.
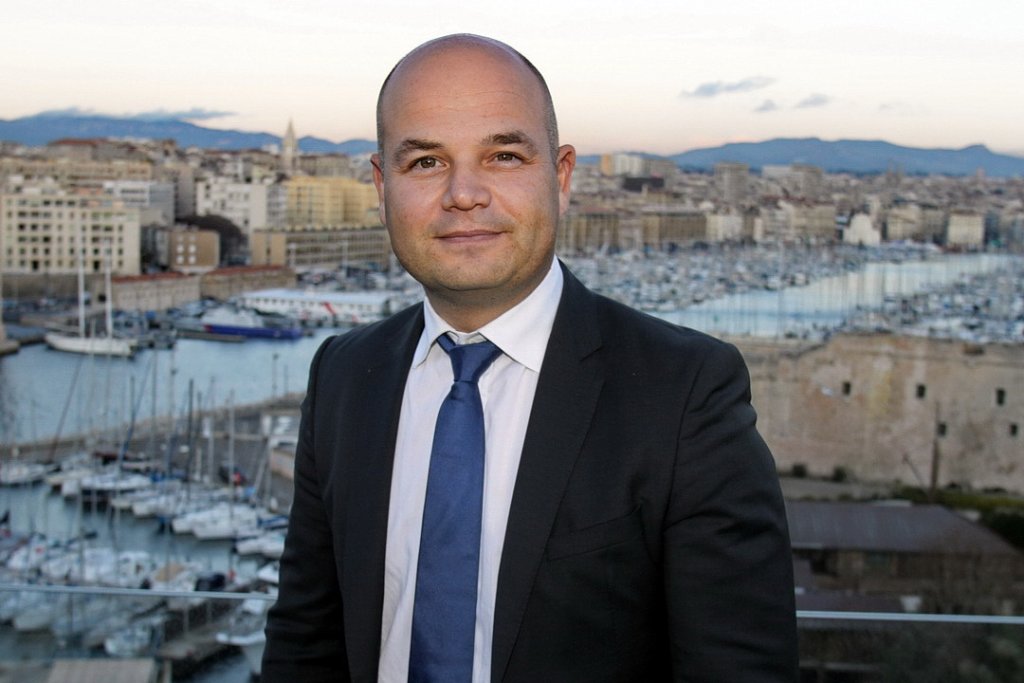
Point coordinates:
[[506, 156], [425, 162]]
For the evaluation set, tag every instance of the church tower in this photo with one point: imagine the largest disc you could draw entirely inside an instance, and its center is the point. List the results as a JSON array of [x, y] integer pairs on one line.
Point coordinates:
[[289, 151]]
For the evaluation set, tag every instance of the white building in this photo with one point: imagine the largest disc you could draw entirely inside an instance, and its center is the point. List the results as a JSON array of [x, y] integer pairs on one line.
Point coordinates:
[[250, 206], [724, 227], [47, 229], [965, 230], [154, 199], [862, 231], [623, 164]]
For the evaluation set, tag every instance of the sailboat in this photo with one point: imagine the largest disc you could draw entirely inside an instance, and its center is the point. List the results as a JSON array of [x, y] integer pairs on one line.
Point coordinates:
[[91, 344]]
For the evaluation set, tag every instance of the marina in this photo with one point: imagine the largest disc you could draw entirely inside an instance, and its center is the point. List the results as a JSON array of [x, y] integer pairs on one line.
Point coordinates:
[[180, 631], [46, 394], [180, 412]]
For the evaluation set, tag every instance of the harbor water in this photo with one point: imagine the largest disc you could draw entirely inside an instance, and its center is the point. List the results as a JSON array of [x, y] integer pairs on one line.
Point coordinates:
[[44, 393]]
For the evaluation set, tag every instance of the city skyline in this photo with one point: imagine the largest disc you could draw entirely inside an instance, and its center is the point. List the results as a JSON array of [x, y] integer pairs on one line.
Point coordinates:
[[655, 78]]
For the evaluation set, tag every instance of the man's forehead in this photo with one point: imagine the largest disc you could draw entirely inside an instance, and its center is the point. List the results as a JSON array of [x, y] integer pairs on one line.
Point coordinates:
[[459, 64]]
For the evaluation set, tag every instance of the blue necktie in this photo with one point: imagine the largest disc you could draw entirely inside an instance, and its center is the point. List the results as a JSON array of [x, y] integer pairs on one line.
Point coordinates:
[[444, 611]]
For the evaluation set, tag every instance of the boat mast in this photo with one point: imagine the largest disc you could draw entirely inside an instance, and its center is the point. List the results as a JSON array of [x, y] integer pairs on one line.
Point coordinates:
[[109, 312], [81, 281]]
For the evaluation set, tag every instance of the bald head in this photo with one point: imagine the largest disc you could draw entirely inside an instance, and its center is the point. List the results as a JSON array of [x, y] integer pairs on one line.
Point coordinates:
[[504, 56]]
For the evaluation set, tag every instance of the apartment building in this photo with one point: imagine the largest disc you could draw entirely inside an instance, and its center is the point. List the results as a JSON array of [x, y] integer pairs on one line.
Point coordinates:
[[77, 172], [250, 206], [187, 249], [733, 182], [329, 202], [48, 230], [587, 230], [965, 229], [304, 250], [154, 199], [664, 227]]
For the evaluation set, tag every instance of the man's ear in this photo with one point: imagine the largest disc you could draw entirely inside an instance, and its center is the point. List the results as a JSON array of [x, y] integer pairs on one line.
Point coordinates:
[[564, 165], [378, 182]]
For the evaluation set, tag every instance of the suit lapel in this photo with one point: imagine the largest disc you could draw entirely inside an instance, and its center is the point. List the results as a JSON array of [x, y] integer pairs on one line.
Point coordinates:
[[567, 392], [375, 411]]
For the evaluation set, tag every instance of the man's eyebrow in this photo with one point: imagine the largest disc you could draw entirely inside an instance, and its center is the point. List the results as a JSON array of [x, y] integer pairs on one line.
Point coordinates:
[[411, 145], [512, 137]]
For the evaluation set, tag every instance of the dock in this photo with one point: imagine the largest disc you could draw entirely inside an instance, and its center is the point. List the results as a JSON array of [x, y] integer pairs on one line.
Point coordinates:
[[92, 670]]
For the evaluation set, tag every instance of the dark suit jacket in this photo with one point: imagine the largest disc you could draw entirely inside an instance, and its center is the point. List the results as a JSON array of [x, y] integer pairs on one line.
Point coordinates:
[[646, 540]]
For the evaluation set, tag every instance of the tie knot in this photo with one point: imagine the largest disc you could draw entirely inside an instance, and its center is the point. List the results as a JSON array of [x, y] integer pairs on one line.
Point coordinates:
[[469, 360]]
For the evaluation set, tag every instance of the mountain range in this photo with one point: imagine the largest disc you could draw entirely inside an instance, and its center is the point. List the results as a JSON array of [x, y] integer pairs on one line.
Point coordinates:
[[856, 156], [40, 129], [853, 156]]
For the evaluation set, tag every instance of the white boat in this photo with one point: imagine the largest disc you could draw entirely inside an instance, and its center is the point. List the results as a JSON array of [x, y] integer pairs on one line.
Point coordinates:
[[231, 523], [269, 544], [211, 516], [15, 473], [36, 615], [176, 576], [29, 556], [269, 573], [81, 342], [99, 489], [15, 603], [100, 566], [101, 346], [246, 632]]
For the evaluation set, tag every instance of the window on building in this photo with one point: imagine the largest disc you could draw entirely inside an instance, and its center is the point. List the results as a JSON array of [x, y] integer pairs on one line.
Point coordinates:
[[940, 429], [847, 388], [1000, 396], [921, 390], [1013, 429]]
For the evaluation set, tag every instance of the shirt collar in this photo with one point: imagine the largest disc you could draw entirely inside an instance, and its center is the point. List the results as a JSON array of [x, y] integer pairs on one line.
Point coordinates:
[[521, 332]]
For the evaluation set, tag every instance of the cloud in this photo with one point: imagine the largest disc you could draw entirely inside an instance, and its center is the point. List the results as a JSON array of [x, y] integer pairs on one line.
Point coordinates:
[[716, 88], [193, 114], [766, 106], [897, 108], [68, 111], [815, 100]]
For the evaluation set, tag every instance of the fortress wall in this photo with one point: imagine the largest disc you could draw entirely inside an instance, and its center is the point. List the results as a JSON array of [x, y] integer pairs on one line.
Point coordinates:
[[893, 408]]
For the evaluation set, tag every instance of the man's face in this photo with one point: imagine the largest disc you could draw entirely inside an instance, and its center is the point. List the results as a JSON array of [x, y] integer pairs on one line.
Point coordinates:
[[468, 189]]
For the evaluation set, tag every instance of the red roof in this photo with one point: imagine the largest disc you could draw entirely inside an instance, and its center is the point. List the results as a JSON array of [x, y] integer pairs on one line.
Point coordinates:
[[241, 270]]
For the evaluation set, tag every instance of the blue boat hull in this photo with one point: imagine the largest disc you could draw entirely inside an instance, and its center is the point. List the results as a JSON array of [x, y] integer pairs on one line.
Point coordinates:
[[256, 332]]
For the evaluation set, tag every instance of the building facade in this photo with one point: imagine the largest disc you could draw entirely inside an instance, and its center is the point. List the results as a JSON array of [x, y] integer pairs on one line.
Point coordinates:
[[893, 408], [49, 230], [188, 250], [304, 250], [586, 231], [154, 199], [72, 171], [250, 206], [155, 292], [667, 227], [224, 283], [329, 202], [965, 230]]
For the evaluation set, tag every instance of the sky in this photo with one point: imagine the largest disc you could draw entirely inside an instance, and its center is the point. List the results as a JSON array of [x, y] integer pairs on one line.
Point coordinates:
[[658, 76]]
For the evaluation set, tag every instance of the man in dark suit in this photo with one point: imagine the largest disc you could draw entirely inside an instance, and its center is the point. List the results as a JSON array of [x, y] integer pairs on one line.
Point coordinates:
[[633, 528]]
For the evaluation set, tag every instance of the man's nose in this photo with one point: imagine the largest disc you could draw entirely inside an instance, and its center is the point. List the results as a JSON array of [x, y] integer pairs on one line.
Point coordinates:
[[467, 189]]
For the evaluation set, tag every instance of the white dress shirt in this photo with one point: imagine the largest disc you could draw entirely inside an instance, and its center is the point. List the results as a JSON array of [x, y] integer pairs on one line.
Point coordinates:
[[507, 388]]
